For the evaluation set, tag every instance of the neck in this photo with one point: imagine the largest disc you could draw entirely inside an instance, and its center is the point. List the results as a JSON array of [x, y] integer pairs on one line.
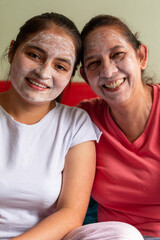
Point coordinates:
[[132, 116], [23, 111]]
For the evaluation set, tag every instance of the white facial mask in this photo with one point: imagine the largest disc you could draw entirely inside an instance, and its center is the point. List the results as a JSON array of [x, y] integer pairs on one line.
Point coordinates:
[[120, 74], [97, 42], [55, 44], [43, 72]]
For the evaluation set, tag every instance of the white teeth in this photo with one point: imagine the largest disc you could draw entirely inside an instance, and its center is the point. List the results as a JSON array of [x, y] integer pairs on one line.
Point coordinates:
[[114, 84], [37, 84]]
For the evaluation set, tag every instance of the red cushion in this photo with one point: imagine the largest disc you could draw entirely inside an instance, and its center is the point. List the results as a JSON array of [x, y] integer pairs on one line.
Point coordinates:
[[72, 94], [75, 92], [4, 86]]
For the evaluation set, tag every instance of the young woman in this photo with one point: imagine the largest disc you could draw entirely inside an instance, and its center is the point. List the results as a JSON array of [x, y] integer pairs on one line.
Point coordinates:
[[126, 185], [47, 156]]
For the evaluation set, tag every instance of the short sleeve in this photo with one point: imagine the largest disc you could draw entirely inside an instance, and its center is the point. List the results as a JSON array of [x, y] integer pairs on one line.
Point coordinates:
[[84, 128]]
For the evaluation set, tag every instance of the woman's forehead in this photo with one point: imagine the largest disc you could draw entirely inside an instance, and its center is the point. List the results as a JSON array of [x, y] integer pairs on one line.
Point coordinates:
[[102, 36], [50, 39]]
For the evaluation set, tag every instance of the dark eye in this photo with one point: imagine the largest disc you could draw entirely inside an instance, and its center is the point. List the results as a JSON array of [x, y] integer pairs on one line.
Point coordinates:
[[60, 67], [34, 55], [93, 64], [118, 55]]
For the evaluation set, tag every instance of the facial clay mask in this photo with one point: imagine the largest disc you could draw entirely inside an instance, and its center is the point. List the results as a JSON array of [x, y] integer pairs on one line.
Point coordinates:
[[43, 66], [111, 65]]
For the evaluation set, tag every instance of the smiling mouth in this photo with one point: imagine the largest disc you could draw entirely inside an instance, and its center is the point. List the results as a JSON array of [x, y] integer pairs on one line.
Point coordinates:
[[115, 84], [37, 84]]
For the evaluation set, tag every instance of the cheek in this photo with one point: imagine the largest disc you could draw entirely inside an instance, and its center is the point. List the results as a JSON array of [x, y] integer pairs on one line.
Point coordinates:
[[92, 76], [67, 78], [61, 80], [131, 64], [20, 67]]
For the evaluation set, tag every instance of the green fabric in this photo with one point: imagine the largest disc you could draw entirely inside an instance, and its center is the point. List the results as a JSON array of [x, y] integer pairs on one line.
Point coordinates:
[[91, 215]]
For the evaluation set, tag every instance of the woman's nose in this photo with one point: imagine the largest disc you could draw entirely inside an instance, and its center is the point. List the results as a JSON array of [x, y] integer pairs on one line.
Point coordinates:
[[108, 69], [44, 71]]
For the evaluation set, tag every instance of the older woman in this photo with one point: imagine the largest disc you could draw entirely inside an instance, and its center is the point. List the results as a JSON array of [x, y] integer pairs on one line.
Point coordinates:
[[126, 185]]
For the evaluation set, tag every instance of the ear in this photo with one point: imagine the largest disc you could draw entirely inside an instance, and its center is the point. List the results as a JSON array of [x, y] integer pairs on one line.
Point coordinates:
[[82, 72], [143, 56], [10, 51]]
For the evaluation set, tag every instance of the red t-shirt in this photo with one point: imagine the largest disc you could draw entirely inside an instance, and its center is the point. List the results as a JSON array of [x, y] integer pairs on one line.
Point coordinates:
[[127, 182]]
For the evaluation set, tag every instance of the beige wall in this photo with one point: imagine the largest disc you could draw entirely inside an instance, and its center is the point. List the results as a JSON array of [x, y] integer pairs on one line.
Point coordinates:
[[142, 16]]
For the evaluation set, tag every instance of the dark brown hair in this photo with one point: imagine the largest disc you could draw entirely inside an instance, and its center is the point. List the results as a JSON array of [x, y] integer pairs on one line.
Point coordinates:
[[108, 20], [44, 21]]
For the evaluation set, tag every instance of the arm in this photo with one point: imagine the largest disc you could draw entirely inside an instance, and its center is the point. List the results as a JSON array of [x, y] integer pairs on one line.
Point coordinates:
[[73, 201]]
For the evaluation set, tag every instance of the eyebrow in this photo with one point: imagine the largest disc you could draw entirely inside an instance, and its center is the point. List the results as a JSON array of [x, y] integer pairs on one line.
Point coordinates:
[[37, 48], [42, 51], [111, 49], [65, 60]]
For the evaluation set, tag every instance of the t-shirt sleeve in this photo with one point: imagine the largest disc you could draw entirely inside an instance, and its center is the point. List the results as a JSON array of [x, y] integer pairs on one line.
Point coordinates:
[[84, 128]]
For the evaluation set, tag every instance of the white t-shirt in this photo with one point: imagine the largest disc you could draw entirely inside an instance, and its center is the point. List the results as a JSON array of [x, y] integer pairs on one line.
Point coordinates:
[[32, 159]]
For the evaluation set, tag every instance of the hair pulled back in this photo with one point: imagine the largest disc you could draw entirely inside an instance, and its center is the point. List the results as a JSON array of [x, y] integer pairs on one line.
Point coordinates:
[[44, 21], [108, 20]]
